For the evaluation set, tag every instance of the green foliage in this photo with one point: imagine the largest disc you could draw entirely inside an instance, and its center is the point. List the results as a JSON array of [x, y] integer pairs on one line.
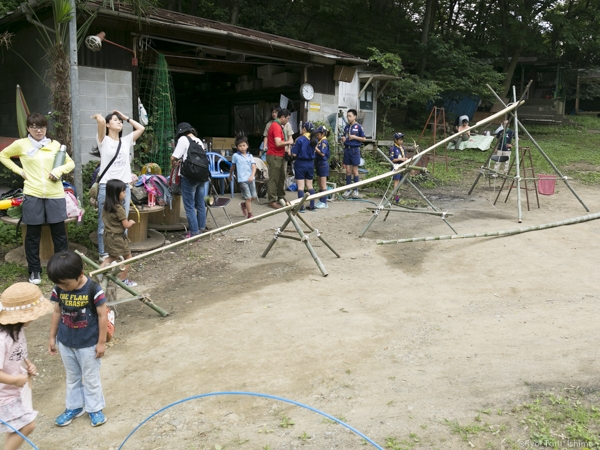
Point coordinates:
[[8, 6], [8, 237], [11, 273]]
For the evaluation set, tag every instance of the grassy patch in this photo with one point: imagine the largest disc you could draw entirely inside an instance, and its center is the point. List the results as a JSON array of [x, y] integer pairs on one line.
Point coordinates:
[[571, 147], [570, 419], [11, 273]]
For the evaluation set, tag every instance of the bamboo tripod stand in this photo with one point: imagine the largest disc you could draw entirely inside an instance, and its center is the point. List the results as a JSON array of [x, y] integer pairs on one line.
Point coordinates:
[[304, 238], [484, 170], [439, 117], [386, 202]]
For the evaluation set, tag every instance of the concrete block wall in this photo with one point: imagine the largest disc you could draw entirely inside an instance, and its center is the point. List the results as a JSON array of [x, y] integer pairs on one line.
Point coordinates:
[[102, 91]]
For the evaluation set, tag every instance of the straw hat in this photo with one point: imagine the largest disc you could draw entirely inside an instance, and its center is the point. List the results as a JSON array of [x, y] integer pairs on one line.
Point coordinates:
[[23, 302]]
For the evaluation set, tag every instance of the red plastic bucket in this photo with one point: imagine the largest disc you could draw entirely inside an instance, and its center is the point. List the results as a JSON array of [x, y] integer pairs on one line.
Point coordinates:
[[546, 184]]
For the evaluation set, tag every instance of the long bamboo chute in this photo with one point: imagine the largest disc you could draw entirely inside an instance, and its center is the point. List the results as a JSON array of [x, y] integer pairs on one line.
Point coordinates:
[[294, 203], [545, 226]]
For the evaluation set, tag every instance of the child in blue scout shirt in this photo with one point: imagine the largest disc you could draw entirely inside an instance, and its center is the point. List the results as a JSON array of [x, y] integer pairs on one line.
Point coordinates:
[[78, 332], [246, 171], [304, 165], [397, 156], [322, 163], [354, 136]]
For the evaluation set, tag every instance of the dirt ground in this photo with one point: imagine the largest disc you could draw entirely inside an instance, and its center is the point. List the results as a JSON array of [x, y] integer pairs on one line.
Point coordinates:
[[396, 340]]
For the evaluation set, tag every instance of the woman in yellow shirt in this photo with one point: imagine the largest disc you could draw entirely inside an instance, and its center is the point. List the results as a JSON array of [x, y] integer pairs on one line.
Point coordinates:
[[44, 200]]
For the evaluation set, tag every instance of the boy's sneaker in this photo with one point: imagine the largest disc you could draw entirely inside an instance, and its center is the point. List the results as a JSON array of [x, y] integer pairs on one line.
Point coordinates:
[[35, 277], [310, 208], [302, 210], [347, 193], [355, 194], [102, 257], [129, 283], [98, 418], [321, 205], [67, 417]]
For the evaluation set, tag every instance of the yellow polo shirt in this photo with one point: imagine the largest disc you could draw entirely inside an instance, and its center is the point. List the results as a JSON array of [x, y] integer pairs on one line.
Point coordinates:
[[38, 168]]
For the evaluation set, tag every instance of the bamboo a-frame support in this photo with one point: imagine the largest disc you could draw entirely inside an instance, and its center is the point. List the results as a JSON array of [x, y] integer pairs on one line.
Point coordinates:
[[386, 202], [517, 178], [296, 203]]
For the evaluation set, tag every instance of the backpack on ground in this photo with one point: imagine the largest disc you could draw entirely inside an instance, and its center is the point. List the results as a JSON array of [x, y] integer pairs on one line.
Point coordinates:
[[195, 166], [164, 197]]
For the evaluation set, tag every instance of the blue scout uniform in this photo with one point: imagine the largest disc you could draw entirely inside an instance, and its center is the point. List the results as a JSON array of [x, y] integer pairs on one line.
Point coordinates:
[[395, 153], [304, 166], [352, 147], [322, 162]]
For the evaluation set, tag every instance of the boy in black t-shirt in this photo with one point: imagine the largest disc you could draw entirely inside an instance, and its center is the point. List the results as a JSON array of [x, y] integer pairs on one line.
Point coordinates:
[[78, 331]]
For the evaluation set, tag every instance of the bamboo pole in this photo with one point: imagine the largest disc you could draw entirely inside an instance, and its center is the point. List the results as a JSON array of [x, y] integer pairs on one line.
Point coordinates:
[[484, 167], [518, 163], [193, 239], [144, 299], [315, 196], [546, 157], [318, 234], [414, 211], [545, 226]]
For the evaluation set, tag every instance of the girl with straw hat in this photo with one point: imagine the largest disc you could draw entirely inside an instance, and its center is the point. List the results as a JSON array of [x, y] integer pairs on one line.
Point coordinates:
[[20, 304]]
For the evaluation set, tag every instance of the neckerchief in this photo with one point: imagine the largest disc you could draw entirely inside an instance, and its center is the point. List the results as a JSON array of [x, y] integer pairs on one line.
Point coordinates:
[[36, 145]]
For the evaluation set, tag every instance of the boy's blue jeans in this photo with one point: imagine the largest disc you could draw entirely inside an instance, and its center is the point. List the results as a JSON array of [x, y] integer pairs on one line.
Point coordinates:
[[84, 389]]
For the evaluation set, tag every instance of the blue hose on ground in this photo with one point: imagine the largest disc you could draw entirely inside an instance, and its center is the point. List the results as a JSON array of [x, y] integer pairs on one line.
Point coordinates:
[[251, 394], [17, 431]]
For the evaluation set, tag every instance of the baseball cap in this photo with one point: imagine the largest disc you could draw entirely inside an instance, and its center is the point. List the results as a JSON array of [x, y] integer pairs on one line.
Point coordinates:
[[308, 126], [398, 136], [321, 129]]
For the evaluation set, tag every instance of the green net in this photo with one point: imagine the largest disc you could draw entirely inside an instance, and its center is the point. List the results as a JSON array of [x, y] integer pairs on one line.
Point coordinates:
[[160, 100]]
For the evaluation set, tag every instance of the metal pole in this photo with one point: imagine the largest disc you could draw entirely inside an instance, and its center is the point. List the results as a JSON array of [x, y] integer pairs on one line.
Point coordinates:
[[75, 108], [558, 172]]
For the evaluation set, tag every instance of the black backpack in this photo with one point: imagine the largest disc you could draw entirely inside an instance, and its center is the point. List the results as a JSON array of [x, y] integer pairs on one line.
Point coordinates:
[[195, 166]]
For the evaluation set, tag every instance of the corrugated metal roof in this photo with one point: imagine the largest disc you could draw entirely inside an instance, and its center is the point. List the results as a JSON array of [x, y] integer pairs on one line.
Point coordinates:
[[202, 26]]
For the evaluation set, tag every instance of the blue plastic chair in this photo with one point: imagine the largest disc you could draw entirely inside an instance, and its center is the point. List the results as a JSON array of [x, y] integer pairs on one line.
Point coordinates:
[[214, 165]]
